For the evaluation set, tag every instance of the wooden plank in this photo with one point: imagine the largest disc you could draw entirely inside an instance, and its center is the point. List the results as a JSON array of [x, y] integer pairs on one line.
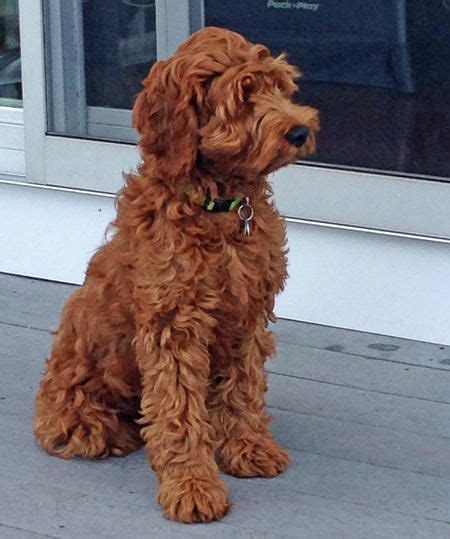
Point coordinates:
[[364, 344], [14, 532], [364, 444], [356, 371], [21, 345], [361, 406], [31, 302]]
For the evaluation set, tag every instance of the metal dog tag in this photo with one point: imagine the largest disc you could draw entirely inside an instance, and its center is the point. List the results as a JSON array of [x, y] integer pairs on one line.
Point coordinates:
[[245, 213]]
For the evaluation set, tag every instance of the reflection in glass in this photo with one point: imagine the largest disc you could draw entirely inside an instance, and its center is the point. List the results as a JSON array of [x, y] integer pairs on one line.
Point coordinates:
[[119, 48], [10, 74], [97, 52], [378, 71]]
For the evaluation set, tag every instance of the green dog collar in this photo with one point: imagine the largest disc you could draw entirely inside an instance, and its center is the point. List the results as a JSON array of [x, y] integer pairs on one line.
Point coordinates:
[[220, 204], [216, 204]]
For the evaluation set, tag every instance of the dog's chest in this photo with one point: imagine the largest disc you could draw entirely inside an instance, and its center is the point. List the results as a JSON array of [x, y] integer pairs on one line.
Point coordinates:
[[248, 271]]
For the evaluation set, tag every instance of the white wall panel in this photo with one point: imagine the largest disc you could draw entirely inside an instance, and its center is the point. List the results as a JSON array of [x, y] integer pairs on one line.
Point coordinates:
[[50, 234], [357, 280]]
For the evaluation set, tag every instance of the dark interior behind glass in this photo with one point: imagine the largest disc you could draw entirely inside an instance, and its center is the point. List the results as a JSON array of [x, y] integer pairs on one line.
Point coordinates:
[[10, 68], [119, 48], [379, 72]]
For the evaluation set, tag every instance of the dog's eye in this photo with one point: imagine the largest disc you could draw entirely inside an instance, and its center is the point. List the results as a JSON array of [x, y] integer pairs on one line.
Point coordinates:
[[246, 85]]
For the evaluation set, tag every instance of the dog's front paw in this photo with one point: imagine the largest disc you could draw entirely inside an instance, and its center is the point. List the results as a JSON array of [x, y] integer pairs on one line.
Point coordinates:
[[255, 456], [193, 499]]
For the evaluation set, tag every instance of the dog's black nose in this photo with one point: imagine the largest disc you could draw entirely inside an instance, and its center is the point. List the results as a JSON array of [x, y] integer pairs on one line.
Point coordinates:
[[297, 135]]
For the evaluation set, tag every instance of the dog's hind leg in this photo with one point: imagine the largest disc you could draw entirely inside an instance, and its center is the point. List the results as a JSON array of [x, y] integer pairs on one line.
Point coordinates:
[[237, 409], [89, 396]]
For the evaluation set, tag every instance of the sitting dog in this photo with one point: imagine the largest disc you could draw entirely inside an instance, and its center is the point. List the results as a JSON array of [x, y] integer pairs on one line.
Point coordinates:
[[165, 342]]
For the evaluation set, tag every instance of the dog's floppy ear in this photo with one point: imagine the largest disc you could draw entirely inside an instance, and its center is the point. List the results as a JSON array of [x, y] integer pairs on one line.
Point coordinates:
[[165, 116]]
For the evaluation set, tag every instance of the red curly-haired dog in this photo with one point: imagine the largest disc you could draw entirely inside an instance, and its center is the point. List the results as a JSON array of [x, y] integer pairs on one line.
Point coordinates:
[[169, 329]]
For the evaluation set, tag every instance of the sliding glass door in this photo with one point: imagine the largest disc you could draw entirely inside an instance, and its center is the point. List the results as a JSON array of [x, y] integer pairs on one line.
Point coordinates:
[[377, 71]]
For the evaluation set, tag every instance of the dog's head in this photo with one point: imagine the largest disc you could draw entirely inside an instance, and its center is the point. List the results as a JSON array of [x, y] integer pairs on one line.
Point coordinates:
[[224, 104]]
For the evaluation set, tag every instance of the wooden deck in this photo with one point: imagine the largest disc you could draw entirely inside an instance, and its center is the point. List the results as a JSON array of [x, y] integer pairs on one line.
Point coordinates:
[[366, 419]]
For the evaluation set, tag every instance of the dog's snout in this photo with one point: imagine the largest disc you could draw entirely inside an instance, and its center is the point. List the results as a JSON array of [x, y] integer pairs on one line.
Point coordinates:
[[298, 135]]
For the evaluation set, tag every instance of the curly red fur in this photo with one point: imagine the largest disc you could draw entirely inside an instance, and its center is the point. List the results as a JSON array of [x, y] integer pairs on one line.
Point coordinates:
[[165, 342]]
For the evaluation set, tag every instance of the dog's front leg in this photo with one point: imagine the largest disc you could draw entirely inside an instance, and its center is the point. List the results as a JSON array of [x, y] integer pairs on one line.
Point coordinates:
[[174, 362], [238, 411]]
